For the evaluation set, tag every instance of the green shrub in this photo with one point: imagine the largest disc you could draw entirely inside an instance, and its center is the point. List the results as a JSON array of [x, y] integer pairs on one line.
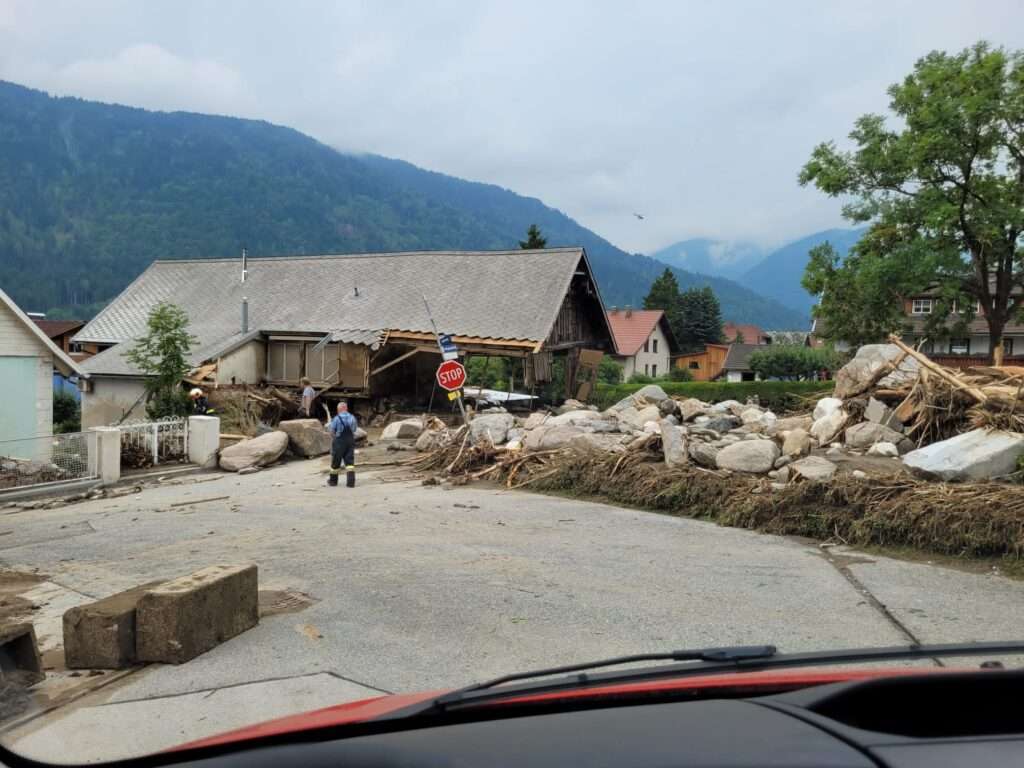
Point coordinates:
[[67, 413], [680, 374], [641, 378], [793, 362], [609, 371], [780, 396]]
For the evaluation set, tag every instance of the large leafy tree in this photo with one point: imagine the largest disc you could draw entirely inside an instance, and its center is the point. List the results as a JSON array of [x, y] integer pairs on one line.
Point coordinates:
[[162, 354], [943, 189], [700, 320]]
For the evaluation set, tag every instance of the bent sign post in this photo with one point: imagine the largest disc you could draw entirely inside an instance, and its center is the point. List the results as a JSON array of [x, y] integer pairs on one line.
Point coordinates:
[[451, 374]]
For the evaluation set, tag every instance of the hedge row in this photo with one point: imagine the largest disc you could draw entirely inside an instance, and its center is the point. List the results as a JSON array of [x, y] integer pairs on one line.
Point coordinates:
[[777, 395]]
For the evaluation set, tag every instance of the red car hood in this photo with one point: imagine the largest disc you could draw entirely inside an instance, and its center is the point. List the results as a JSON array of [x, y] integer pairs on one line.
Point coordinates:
[[365, 710]]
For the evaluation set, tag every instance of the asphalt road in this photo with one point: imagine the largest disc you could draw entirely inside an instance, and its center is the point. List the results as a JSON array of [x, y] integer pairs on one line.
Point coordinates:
[[413, 588]]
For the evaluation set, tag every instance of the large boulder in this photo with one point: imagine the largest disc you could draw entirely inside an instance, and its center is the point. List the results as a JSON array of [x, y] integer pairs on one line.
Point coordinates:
[[494, 426], [636, 418], [574, 417], [535, 419], [825, 406], [797, 443], [429, 440], [547, 438], [256, 452], [753, 456], [728, 406], [570, 405], [704, 454], [886, 450], [647, 395], [790, 423], [673, 443], [975, 455], [407, 429], [306, 437], [600, 443], [880, 413], [691, 408], [721, 423], [668, 407], [867, 433], [828, 427], [813, 468], [858, 375]]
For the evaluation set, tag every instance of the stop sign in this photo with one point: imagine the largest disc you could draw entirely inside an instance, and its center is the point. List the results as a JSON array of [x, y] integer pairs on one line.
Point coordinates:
[[451, 375]]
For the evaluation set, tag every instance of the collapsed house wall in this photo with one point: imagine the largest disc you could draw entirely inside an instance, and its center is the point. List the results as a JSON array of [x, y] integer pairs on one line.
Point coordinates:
[[245, 365]]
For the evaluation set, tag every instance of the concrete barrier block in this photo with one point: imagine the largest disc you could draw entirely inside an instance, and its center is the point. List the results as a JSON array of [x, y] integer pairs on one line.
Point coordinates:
[[101, 635], [182, 618], [19, 656], [107, 463]]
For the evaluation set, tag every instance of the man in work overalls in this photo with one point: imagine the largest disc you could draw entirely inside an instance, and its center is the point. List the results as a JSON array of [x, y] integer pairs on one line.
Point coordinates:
[[343, 446]]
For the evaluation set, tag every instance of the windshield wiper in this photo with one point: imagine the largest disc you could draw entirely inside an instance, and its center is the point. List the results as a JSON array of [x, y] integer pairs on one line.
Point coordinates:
[[701, 661]]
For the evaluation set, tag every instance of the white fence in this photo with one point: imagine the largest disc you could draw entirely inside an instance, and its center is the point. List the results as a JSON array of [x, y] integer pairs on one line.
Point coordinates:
[[36, 461], [151, 443]]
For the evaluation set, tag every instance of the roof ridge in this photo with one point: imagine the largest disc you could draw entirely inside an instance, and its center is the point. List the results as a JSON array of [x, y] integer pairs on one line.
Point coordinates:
[[375, 254]]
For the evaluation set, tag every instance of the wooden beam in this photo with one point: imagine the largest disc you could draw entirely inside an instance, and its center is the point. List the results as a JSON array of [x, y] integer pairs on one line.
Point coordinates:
[[398, 359]]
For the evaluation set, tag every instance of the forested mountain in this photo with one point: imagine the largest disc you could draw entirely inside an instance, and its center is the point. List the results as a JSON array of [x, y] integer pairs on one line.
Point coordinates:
[[91, 193], [711, 257], [779, 274]]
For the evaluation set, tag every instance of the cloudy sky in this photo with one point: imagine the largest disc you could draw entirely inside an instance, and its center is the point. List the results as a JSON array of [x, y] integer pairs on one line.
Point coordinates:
[[696, 114]]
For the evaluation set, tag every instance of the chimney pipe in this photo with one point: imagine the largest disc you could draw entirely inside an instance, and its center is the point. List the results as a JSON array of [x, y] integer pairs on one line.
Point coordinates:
[[245, 314], [245, 271], [629, 311]]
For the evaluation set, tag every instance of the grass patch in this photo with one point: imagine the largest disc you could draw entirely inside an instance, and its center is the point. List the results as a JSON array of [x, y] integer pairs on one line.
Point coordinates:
[[780, 396]]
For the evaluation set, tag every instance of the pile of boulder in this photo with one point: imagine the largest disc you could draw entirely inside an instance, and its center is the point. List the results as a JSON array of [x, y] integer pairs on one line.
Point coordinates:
[[303, 438]]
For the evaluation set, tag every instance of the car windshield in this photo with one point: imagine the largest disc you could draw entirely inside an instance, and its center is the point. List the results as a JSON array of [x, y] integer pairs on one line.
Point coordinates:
[[359, 349]]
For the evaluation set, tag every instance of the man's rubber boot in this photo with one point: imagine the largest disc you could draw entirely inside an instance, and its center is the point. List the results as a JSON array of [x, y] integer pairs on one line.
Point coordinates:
[[332, 479], [350, 478]]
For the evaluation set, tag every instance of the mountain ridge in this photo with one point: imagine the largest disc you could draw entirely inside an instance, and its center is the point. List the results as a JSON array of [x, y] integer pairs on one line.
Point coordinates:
[[92, 193]]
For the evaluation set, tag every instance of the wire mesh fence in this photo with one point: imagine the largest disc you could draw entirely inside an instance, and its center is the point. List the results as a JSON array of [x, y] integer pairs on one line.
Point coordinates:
[[37, 460], [154, 442]]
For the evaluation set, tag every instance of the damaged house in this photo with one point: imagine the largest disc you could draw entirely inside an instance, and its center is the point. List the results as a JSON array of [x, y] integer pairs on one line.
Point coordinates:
[[264, 321]]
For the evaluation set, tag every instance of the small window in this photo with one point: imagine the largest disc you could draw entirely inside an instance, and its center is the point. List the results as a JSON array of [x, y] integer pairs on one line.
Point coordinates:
[[646, 369], [655, 342], [694, 365], [921, 307], [654, 370], [1007, 346], [646, 345], [959, 346]]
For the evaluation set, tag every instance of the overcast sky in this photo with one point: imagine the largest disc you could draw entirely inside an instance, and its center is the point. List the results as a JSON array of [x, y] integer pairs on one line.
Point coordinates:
[[696, 114]]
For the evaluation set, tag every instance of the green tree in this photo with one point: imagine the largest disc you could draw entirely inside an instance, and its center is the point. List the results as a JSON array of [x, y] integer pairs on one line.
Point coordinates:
[[664, 295], [162, 354], [792, 362], [609, 371], [700, 319], [944, 192], [534, 239]]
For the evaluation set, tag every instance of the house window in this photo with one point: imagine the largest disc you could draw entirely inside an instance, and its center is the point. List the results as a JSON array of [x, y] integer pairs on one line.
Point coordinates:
[[646, 371], [646, 345], [694, 365], [654, 370], [926, 346], [959, 346], [655, 346], [921, 307], [1007, 346]]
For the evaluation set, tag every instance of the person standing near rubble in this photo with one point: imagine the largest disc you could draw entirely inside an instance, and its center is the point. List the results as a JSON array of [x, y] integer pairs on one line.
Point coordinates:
[[308, 396], [343, 445]]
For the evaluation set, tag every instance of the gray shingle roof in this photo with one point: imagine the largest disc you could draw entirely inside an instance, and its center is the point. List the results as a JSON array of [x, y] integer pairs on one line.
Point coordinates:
[[738, 358], [483, 294]]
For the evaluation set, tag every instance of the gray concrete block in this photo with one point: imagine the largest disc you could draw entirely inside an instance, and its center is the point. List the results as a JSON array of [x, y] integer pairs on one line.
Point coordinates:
[[19, 656], [182, 618], [101, 635]]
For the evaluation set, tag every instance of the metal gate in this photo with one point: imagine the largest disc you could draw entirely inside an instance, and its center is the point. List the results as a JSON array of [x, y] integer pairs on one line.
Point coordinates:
[[150, 443]]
